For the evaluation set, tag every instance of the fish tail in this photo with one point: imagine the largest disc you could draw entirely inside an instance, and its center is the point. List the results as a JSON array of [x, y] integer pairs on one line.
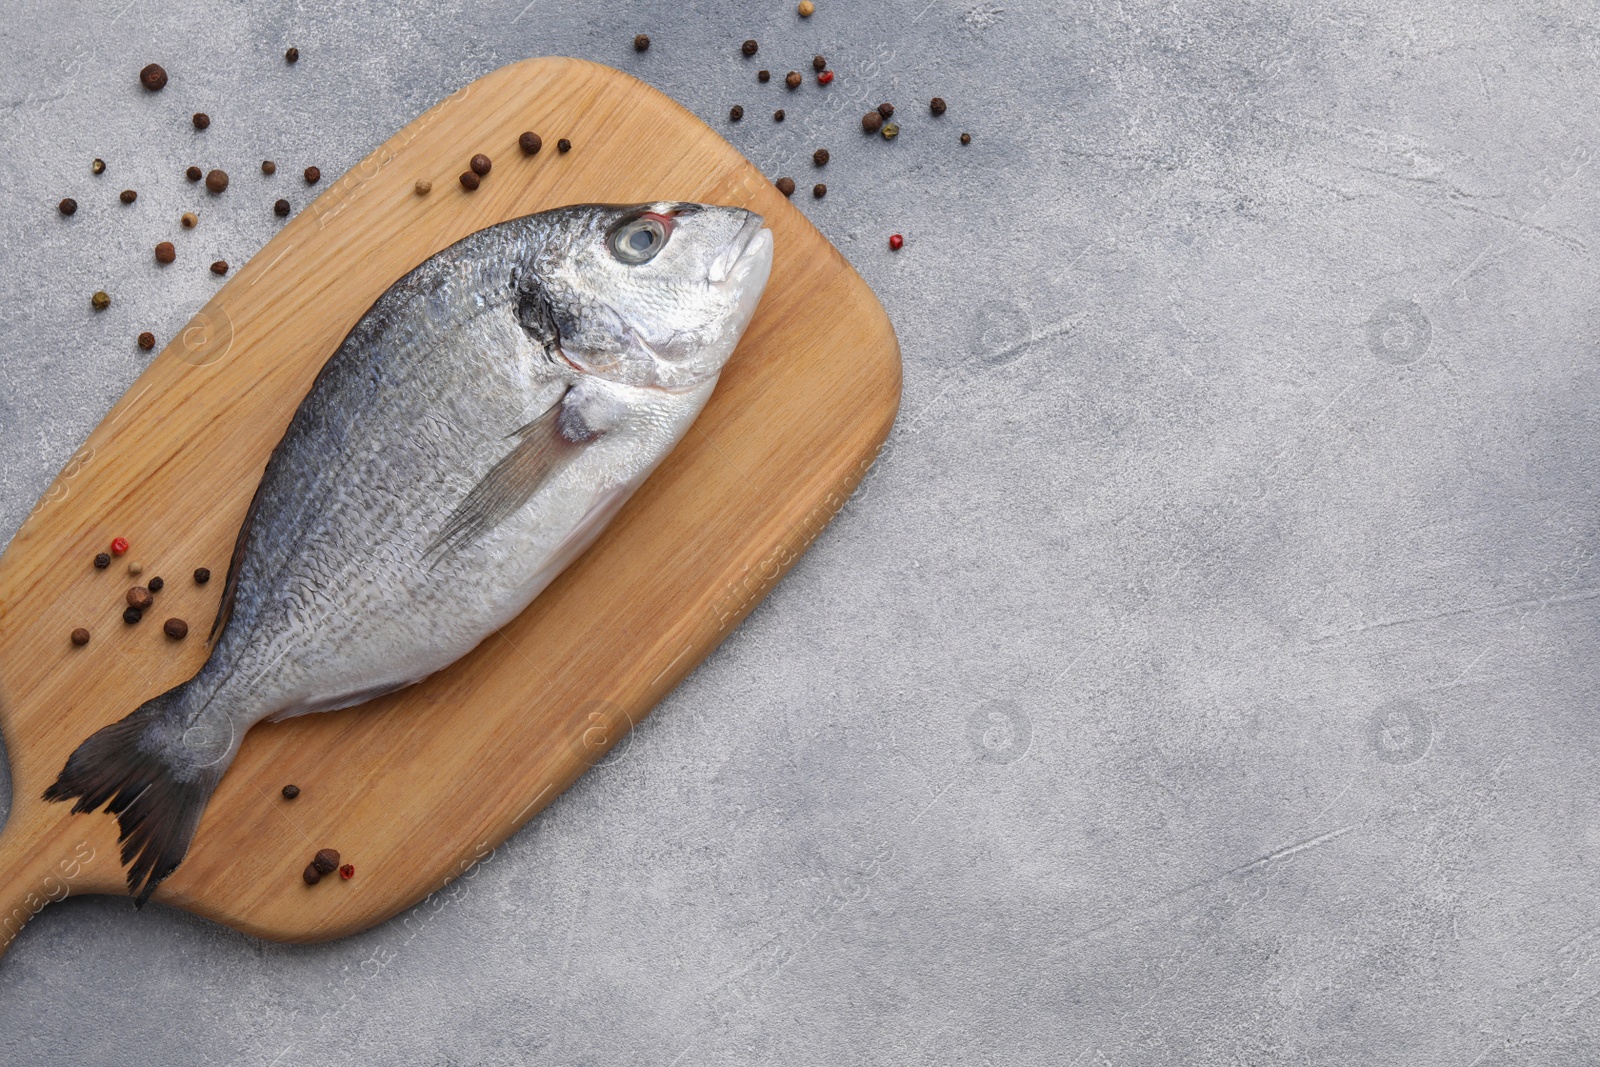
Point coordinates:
[[155, 775]]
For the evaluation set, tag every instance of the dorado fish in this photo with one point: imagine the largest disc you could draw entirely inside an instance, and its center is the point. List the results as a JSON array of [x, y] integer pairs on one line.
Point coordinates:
[[470, 437]]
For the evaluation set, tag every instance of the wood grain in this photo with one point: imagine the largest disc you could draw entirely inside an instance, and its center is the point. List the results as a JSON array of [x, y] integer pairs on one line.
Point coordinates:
[[414, 787]]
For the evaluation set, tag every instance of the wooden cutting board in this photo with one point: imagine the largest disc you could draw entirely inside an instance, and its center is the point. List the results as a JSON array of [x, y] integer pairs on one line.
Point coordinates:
[[414, 787]]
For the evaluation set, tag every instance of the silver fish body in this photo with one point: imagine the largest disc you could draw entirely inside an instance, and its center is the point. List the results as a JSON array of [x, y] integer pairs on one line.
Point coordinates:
[[471, 436]]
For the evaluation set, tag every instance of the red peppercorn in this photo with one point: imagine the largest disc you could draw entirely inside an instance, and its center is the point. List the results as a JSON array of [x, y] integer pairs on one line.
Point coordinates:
[[348, 871], [896, 242], [825, 77], [119, 545]]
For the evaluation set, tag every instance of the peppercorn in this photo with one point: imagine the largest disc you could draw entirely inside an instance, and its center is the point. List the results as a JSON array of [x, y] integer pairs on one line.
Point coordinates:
[[139, 597], [135, 568], [176, 629], [530, 143], [202, 575], [966, 138], [194, 174], [348, 871], [820, 157], [480, 164], [98, 166], [119, 545], [153, 78], [792, 79], [785, 186], [281, 208], [166, 252], [268, 167], [155, 585], [470, 181], [563, 145], [735, 113], [313, 175], [891, 130], [777, 116], [292, 56], [68, 206], [326, 860], [806, 9], [127, 196], [290, 792], [147, 341], [201, 120], [896, 242], [819, 190], [818, 63], [886, 110], [763, 76], [217, 181], [80, 637], [936, 105], [423, 187], [871, 121], [824, 77], [189, 220], [641, 42], [102, 560], [219, 267], [131, 615], [100, 300], [750, 47], [311, 874]]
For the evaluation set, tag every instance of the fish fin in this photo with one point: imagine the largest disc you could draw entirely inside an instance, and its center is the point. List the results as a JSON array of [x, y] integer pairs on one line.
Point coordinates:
[[543, 446], [341, 700], [128, 769], [230, 587]]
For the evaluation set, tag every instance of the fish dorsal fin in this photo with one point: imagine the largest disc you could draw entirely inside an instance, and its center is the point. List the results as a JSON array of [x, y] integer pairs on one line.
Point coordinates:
[[543, 445]]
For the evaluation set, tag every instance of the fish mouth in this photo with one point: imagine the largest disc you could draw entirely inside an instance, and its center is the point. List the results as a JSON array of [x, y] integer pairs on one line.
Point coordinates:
[[751, 240]]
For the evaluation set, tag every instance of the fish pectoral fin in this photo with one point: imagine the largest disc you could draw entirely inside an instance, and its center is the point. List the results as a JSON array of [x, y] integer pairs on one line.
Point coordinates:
[[341, 700], [543, 446]]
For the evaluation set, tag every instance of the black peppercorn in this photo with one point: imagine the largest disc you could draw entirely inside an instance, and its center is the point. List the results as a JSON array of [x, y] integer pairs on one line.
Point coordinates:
[[132, 615], [750, 47], [563, 145], [155, 584], [818, 63], [194, 174], [735, 113], [777, 116], [785, 186], [292, 56], [936, 105], [819, 190], [290, 792], [820, 157], [530, 143], [268, 167], [313, 175], [202, 575], [763, 76], [153, 77], [220, 267], [966, 138], [102, 560], [68, 206], [147, 340], [641, 42], [886, 110], [201, 120], [128, 196], [281, 208]]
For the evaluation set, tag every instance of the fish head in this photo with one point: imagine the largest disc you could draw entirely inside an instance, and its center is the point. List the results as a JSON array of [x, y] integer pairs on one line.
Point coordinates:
[[652, 294]]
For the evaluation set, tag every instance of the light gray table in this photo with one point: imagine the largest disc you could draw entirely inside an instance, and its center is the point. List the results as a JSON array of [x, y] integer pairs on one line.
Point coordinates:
[[1205, 675]]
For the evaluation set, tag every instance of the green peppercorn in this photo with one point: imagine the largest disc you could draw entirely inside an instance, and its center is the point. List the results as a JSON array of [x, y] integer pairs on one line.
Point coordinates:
[[100, 300], [891, 130]]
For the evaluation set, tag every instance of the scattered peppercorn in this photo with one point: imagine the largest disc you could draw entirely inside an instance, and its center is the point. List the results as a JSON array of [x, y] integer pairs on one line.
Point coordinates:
[[176, 629], [68, 206], [785, 186], [818, 63], [292, 56], [480, 164], [824, 77], [763, 76], [563, 145], [423, 187], [98, 166], [792, 79], [135, 568], [152, 77], [470, 181], [735, 113], [127, 196], [80, 637], [806, 9], [281, 208], [348, 871], [311, 874], [290, 792], [139, 597], [819, 190], [189, 220], [194, 174], [100, 300], [886, 110], [219, 267], [131, 615], [891, 130], [896, 242], [820, 157], [166, 252], [119, 545], [936, 105], [641, 42], [530, 143], [966, 138], [102, 560], [156, 584], [147, 341], [217, 181], [871, 121], [326, 860], [268, 167], [777, 116], [201, 120], [750, 47], [313, 175], [202, 575]]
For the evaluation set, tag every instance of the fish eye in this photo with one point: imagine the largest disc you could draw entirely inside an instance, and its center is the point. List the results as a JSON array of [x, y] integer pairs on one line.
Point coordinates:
[[639, 239]]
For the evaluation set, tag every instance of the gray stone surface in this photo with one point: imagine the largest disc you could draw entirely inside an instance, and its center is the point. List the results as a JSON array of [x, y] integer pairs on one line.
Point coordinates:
[[1205, 675]]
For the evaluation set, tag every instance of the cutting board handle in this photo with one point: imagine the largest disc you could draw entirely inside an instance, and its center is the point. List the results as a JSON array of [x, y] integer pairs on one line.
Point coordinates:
[[41, 862]]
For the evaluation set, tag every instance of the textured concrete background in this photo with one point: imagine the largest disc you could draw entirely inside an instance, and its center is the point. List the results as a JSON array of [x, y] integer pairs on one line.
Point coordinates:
[[1205, 675]]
